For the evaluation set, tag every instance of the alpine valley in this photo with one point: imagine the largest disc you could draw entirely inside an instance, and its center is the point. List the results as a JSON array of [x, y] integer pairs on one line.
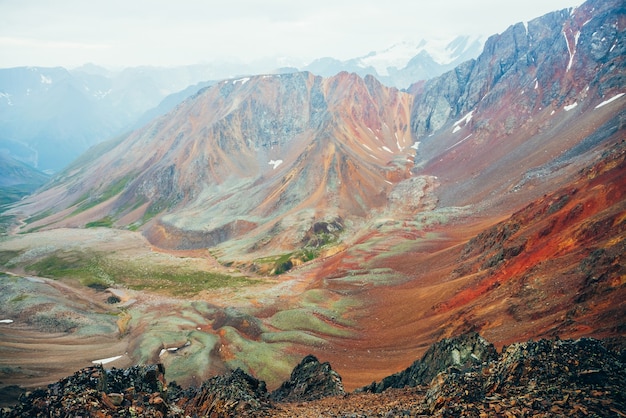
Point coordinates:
[[269, 217]]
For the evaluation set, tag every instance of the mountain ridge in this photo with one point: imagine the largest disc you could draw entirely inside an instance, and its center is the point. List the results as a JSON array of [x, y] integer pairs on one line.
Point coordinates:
[[114, 101], [330, 130], [405, 62], [583, 377], [240, 133], [17, 179], [352, 220]]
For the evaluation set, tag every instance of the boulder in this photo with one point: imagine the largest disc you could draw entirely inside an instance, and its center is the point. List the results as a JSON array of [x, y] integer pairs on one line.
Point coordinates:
[[234, 394], [310, 380], [460, 353]]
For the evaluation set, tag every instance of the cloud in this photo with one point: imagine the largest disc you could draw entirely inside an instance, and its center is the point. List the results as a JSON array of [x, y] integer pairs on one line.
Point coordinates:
[[162, 32], [43, 43]]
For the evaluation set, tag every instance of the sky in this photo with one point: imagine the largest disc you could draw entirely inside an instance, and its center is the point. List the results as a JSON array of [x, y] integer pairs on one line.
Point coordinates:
[[124, 33]]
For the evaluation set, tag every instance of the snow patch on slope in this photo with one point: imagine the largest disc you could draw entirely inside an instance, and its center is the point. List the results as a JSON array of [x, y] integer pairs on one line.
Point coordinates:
[[107, 360], [242, 80], [275, 163], [458, 143], [571, 49], [606, 102], [464, 121], [174, 349], [570, 107], [99, 94], [467, 118]]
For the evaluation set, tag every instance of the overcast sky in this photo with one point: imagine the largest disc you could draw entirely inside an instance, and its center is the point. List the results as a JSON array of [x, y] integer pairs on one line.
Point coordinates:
[[120, 33]]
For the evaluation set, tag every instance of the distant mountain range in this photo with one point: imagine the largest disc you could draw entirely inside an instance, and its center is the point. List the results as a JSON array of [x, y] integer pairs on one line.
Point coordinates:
[[17, 179], [275, 162], [49, 116], [404, 63]]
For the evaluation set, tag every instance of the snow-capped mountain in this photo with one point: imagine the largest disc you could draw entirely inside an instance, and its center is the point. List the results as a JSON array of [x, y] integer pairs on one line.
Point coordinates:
[[48, 116], [405, 62], [442, 52]]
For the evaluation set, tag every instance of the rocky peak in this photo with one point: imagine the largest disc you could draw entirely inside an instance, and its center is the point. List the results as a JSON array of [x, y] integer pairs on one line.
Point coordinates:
[[556, 362], [309, 380], [93, 389], [547, 377], [234, 394], [550, 376], [552, 58], [247, 157], [460, 353]]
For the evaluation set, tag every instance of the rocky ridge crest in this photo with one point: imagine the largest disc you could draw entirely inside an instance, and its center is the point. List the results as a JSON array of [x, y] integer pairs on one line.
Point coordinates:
[[551, 377], [552, 59]]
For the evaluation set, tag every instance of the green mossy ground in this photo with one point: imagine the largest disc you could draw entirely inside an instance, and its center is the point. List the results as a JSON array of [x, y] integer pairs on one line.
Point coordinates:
[[98, 271]]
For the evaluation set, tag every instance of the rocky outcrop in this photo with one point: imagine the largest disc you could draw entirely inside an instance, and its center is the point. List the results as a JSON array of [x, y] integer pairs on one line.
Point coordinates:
[[461, 353], [574, 377], [559, 378], [95, 391], [566, 364], [551, 59], [461, 376], [310, 380], [234, 394]]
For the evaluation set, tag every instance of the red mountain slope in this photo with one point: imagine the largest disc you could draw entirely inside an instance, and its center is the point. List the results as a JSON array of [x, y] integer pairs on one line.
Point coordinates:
[[554, 268]]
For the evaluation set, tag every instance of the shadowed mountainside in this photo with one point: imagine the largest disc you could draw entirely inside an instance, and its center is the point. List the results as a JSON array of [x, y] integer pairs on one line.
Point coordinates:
[[17, 179]]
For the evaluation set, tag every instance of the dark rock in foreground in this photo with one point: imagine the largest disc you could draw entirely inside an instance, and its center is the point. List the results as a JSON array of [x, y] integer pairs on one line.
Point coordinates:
[[234, 394], [94, 391], [549, 377], [461, 376], [460, 353], [310, 380]]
